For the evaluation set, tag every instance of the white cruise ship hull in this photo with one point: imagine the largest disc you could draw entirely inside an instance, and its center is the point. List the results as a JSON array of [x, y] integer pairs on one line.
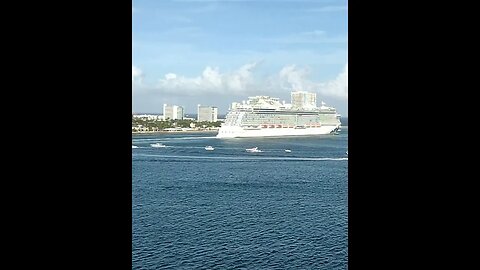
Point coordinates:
[[239, 132]]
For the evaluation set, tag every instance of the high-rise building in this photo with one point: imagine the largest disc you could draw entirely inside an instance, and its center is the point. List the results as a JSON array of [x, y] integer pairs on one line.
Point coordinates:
[[172, 112], [167, 112], [179, 111], [206, 113], [304, 100]]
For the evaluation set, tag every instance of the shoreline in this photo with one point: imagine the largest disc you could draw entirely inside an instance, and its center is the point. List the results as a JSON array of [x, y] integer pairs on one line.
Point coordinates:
[[186, 132]]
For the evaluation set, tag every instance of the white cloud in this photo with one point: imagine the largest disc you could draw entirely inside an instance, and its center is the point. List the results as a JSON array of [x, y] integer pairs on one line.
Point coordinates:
[[243, 81], [210, 81], [137, 75], [170, 76], [294, 78], [337, 87]]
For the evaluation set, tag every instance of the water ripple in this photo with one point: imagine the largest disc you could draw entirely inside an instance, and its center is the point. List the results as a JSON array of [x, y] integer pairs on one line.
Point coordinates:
[[247, 212]]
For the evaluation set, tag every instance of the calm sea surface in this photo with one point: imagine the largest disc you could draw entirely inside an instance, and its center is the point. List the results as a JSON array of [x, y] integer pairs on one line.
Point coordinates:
[[226, 209]]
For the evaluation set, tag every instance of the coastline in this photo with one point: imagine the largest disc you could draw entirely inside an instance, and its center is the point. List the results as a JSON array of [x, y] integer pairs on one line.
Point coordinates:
[[186, 132]]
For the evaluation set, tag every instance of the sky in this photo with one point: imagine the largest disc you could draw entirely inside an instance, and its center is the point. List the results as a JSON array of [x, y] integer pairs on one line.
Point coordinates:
[[215, 52]]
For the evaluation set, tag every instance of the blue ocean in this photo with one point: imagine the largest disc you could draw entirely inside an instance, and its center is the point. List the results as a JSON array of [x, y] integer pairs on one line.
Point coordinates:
[[231, 209]]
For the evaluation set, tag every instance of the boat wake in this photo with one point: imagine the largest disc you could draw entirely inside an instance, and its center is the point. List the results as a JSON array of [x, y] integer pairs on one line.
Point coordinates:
[[246, 158]]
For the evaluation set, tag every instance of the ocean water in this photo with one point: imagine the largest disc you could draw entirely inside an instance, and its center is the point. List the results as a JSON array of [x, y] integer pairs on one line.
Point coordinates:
[[229, 209]]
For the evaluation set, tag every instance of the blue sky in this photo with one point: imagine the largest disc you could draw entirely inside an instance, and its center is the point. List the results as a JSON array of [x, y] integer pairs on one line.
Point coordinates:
[[215, 52]]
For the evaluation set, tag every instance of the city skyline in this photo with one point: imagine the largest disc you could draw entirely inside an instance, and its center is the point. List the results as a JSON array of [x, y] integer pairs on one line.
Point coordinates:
[[214, 52]]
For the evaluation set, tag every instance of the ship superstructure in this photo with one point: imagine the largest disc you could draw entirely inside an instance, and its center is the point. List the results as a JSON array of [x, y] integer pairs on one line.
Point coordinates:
[[265, 116]]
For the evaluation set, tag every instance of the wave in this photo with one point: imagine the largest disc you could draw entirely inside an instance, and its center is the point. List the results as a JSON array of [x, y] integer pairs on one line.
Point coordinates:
[[190, 138], [245, 158], [172, 138], [242, 149], [217, 148]]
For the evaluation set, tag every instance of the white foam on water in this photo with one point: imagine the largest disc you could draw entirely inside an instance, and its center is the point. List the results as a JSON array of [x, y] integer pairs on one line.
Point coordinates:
[[171, 139], [192, 138], [145, 140], [186, 147], [203, 147], [246, 158]]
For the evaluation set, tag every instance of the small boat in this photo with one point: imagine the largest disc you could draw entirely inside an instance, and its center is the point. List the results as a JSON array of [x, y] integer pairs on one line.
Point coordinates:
[[157, 145], [134, 146], [209, 148], [253, 150], [346, 153], [288, 150]]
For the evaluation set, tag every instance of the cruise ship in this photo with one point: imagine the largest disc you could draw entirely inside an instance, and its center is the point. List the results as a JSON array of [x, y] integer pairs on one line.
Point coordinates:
[[264, 116]]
